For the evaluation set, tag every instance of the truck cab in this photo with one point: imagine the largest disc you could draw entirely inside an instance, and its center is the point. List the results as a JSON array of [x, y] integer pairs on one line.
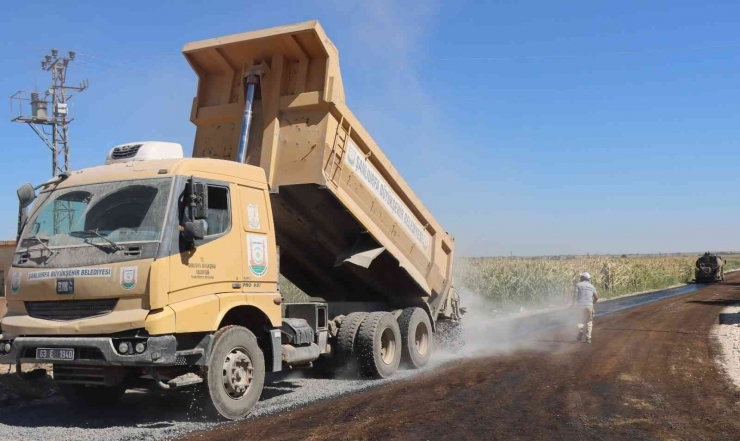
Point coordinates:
[[106, 274], [109, 243]]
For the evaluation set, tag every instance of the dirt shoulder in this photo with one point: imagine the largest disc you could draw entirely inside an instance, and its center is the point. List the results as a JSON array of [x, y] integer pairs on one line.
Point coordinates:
[[649, 375]]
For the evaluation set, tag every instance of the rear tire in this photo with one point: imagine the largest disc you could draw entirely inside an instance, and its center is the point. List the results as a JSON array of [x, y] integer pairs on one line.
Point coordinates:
[[91, 396], [344, 360], [416, 337], [235, 374], [347, 334], [378, 345]]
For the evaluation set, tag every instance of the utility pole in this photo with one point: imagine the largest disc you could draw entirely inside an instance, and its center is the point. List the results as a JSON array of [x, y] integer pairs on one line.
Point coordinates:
[[58, 95]]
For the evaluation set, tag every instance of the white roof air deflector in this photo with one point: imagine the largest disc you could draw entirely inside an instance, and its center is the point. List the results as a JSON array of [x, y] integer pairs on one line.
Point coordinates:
[[144, 151]]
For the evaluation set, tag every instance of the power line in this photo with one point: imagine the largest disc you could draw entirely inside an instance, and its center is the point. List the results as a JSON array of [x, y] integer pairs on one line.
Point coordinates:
[[103, 60], [593, 55]]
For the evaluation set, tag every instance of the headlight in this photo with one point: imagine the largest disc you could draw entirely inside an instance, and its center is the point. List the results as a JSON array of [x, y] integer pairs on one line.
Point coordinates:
[[123, 347]]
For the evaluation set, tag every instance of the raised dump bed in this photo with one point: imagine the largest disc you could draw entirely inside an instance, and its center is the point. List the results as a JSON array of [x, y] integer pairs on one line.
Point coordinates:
[[348, 226]]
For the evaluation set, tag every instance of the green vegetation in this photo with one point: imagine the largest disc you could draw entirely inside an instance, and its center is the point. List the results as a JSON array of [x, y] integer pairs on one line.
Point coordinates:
[[538, 281], [291, 293], [549, 280], [732, 262]]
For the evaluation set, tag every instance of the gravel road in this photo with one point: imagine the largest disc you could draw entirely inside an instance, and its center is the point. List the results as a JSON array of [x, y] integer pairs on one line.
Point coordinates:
[[150, 416]]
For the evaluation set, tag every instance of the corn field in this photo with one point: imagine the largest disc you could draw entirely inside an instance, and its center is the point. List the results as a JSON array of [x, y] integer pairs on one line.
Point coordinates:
[[542, 281], [549, 281]]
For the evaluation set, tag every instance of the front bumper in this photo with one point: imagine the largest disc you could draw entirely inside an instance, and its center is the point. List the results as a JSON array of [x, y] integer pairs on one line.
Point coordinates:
[[160, 351]]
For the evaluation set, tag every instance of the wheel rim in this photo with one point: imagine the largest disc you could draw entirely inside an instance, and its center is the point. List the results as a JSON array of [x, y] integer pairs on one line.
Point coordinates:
[[237, 373], [421, 339], [387, 346]]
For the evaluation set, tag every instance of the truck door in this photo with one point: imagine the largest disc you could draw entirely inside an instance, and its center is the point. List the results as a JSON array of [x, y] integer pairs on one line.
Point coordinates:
[[213, 266], [259, 252]]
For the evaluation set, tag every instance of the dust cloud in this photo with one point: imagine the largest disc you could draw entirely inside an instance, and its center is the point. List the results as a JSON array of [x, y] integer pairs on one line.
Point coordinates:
[[485, 330]]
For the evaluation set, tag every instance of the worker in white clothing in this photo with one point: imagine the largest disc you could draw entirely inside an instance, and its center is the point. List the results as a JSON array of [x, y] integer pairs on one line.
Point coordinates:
[[584, 298]]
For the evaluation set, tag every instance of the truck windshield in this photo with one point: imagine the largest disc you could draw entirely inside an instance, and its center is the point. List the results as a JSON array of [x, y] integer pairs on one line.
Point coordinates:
[[100, 214]]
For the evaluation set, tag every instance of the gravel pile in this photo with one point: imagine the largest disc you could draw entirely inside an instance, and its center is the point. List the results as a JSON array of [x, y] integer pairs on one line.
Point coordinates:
[[149, 416], [727, 334]]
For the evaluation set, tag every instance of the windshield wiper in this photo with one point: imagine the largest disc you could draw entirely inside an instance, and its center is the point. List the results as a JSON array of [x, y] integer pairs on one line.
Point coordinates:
[[40, 241], [95, 233]]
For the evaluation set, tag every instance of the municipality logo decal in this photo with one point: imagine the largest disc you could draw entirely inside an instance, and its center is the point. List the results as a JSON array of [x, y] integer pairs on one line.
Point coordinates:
[[15, 283], [253, 215], [129, 276], [351, 156], [257, 254]]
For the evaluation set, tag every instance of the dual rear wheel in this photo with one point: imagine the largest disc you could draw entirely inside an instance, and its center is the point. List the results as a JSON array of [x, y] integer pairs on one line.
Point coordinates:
[[416, 337], [379, 343]]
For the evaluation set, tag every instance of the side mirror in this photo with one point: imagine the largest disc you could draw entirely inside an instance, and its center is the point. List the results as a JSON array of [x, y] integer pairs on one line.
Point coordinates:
[[198, 200], [26, 195], [194, 230]]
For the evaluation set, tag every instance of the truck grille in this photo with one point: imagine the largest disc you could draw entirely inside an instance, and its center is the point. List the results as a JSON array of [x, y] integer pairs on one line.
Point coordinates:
[[70, 309], [126, 151]]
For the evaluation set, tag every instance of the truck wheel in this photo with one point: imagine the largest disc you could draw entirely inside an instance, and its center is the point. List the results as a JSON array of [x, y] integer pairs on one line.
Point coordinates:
[[378, 345], [347, 334], [416, 337], [91, 396], [236, 373], [342, 361]]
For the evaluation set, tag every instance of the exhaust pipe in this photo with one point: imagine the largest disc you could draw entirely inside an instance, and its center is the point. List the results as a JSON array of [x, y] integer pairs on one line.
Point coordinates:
[[250, 83]]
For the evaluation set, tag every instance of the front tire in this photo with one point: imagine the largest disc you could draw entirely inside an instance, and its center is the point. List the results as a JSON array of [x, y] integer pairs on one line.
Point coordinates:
[[236, 373], [416, 337], [378, 345]]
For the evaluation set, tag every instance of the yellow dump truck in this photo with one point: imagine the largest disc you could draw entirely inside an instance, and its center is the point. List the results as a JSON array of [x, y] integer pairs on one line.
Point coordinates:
[[163, 269]]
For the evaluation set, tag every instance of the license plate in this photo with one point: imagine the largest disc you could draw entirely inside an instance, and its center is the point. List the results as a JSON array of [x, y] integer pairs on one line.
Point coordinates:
[[65, 286], [55, 354]]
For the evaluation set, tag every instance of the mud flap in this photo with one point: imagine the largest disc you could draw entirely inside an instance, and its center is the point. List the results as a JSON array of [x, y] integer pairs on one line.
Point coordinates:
[[451, 307], [277, 350]]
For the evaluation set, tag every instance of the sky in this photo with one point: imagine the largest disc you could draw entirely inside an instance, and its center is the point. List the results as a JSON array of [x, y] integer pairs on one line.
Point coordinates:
[[526, 127]]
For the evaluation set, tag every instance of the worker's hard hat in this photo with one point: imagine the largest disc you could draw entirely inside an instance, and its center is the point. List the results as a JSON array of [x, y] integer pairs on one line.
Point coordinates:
[[586, 276]]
